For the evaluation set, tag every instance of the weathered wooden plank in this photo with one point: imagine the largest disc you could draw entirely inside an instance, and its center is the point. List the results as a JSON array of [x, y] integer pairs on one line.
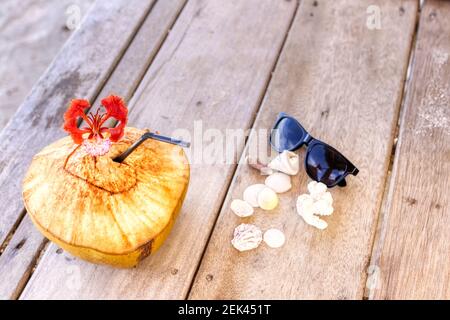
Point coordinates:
[[141, 52], [31, 34], [101, 40], [343, 82], [197, 75], [18, 259], [122, 81], [411, 258]]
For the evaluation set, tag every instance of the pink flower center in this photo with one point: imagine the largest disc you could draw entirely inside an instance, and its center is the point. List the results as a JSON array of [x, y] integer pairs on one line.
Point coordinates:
[[97, 146]]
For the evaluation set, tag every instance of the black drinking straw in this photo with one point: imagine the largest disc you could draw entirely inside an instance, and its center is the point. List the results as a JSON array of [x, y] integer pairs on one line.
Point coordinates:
[[149, 135]]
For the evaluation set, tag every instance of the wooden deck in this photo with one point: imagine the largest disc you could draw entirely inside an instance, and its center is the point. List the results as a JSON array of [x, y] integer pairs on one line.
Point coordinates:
[[380, 95]]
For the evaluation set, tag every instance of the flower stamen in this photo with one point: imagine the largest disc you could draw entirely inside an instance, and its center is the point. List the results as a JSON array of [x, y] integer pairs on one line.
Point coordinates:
[[96, 143]]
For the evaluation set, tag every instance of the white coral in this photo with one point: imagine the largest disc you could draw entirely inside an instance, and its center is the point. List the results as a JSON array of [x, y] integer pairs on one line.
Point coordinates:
[[316, 188], [318, 203]]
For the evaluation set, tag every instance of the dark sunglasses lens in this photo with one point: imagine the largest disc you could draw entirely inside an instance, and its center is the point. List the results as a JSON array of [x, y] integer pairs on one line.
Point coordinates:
[[287, 134], [325, 164]]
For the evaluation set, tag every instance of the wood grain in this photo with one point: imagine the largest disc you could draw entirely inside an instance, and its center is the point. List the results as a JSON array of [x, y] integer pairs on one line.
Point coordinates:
[[142, 50], [31, 34], [101, 40], [197, 75], [122, 81], [343, 82], [18, 259], [412, 254]]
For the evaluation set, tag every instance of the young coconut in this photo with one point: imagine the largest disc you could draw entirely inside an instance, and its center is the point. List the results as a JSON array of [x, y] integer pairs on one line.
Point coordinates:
[[97, 209]]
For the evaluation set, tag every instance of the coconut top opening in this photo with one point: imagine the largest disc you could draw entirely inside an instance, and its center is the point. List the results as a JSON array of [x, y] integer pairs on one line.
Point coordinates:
[[102, 171]]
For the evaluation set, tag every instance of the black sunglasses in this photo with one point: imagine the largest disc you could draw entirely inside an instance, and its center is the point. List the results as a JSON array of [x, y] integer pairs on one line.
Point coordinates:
[[323, 163]]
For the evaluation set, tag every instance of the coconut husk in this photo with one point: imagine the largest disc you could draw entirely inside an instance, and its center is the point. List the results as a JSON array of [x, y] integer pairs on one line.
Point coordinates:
[[103, 211]]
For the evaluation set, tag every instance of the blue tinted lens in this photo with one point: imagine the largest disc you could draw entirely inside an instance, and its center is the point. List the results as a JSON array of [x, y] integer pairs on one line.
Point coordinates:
[[325, 164], [287, 134]]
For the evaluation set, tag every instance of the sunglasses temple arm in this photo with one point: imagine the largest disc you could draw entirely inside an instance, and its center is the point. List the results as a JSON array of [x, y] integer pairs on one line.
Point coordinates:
[[149, 135]]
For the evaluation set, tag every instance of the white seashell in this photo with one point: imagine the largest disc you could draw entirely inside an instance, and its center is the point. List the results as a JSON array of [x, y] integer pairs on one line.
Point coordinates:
[[279, 182], [258, 165], [251, 194], [323, 208], [316, 188], [286, 162], [246, 237], [267, 199], [241, 208], [274, 238]]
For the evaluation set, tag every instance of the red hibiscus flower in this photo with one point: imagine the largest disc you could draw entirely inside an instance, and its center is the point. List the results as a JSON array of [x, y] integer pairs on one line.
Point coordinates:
[[95, 137]]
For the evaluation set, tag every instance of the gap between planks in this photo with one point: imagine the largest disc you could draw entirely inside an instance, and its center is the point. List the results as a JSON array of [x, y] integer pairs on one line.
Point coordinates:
[[391, 172], [45, 243], [128, 97], [413, 255], [162, 11], [242, 156], [246, 284], [212, 14], [95, 93]]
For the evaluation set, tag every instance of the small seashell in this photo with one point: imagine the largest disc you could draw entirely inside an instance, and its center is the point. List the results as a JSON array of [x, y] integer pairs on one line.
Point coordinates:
[[258, 165], [267, 199], [274, 238], [286, 162], [241, 208], [279, 182], [246, 237], [316, 188], [251, 194]]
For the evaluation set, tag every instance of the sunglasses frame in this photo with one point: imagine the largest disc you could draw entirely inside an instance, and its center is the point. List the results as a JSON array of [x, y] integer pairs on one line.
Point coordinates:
[[310, 142]]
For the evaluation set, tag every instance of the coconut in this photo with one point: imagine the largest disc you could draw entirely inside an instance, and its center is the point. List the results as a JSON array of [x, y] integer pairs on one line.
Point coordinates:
[[103, 211]]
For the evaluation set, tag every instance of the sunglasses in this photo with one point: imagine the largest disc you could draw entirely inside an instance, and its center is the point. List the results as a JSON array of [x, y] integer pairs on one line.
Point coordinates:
[[323, 163]]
